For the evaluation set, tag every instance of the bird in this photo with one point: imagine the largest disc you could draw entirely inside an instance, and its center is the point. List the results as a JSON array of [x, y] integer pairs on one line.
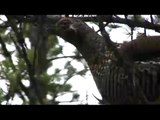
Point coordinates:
[[141, 86]]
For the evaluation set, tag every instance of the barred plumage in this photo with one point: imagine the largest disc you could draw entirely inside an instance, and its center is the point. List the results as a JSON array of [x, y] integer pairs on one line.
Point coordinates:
[[115, 86]]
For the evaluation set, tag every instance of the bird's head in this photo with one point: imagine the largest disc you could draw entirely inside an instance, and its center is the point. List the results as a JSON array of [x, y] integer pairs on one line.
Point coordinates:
[[65, 24], [68, 30]]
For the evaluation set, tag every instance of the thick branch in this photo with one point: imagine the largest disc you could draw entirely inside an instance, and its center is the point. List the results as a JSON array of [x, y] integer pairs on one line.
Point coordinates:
[[132, 23], [52, 19], [142, 48]]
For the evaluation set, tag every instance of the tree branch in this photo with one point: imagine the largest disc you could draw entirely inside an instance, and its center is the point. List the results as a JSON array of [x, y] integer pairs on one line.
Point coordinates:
[[24, 55], [72, 56], [111, 46], [52, 19], [6, 53], [130, 23]]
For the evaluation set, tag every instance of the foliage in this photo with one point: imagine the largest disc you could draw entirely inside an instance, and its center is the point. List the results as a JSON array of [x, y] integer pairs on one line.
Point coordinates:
[[15, 72]]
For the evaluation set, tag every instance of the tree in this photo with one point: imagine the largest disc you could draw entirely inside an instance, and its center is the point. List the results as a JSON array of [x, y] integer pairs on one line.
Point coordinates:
[[126, 73], [24, 66]]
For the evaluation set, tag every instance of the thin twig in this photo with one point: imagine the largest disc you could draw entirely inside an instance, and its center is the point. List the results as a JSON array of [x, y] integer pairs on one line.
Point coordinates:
[[151, 17], [72, 56]]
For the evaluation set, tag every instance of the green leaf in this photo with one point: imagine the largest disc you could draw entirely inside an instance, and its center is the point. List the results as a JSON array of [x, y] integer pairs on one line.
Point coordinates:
[[31, 56], [21, 64], [7, 63], [66, 87], [27, 29], [2, 96], [52, 40], [75, 95], [46, 78], [53, 87], [2, 31]]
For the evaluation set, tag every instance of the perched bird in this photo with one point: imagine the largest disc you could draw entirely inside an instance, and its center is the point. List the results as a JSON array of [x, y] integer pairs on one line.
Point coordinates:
[[142, 86]]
